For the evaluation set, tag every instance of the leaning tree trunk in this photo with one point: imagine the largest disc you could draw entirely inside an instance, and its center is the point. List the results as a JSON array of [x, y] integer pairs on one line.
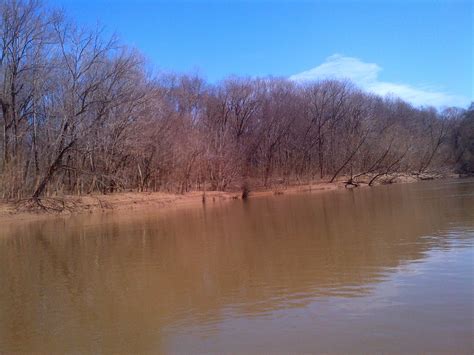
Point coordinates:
[[53, 168]]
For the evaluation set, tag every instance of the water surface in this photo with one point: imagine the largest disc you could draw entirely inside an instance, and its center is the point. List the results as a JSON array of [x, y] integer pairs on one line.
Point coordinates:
[[389, 268]]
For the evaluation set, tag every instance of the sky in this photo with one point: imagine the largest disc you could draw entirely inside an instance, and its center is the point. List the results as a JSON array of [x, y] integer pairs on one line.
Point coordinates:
[[419, 50]]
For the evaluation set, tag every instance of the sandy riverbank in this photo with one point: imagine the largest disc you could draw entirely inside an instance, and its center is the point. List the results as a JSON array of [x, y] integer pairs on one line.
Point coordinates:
[[123, 201]]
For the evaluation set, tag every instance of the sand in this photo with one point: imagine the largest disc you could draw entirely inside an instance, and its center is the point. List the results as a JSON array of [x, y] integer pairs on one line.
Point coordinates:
[[123, 201]]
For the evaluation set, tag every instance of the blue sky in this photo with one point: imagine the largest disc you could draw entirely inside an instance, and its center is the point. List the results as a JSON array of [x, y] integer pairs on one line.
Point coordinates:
[[419, 50]]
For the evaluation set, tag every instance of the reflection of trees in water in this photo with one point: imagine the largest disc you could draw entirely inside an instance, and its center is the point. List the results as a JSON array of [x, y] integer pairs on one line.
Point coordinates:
[[126, 280]]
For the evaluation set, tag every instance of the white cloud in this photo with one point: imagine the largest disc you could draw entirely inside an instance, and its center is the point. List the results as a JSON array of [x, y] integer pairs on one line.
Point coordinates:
[[365, 75]]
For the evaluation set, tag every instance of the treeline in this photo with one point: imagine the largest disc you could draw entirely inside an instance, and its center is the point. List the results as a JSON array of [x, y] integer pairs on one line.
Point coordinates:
[[82, 114]]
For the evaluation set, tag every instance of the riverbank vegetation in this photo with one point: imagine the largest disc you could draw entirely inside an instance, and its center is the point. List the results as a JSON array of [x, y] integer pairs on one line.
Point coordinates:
[[81, 113]]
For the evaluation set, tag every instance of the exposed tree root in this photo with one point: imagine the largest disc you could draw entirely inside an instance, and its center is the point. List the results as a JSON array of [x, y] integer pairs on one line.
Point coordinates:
[[46, 204]]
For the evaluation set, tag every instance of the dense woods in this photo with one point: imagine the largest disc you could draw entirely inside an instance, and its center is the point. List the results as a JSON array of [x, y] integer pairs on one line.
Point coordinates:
[[81, 113]]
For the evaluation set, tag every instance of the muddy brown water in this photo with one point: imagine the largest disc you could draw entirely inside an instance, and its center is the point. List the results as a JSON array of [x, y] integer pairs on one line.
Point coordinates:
[[384, 269]]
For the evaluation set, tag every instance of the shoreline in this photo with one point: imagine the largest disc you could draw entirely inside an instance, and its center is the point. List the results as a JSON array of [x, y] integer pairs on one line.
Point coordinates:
[[135, 201]]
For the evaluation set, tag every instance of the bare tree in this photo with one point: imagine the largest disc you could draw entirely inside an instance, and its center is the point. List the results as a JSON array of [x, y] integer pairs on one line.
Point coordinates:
[[80, 113]]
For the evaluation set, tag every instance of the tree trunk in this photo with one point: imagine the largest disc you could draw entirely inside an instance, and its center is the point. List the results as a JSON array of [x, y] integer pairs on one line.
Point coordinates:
[[51, 171]]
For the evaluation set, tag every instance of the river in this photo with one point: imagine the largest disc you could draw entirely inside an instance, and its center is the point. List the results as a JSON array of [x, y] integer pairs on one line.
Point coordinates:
[[383, 269]]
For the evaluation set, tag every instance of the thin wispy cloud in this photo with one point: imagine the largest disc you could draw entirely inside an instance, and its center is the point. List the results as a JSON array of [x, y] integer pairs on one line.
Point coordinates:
[[365, 75]]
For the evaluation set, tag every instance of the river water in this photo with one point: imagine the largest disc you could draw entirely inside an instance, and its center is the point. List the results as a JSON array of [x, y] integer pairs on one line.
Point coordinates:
[[383, 269]]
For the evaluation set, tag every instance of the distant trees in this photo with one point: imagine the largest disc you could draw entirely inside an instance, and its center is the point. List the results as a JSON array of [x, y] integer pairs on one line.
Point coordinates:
[[80, 113], [462, 141]]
